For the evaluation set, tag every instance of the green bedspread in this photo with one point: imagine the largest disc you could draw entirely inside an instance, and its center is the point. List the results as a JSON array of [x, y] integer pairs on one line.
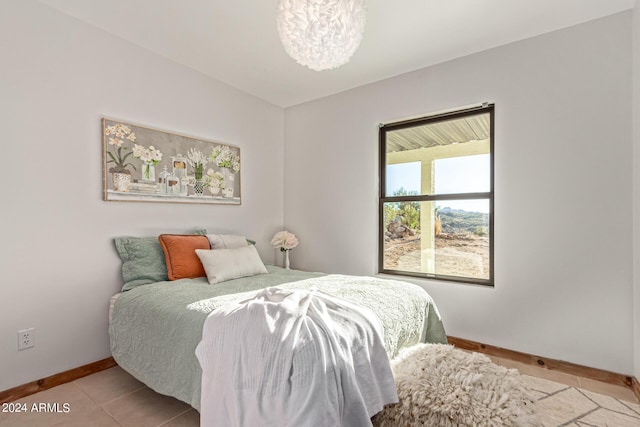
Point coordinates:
[[155, 328]]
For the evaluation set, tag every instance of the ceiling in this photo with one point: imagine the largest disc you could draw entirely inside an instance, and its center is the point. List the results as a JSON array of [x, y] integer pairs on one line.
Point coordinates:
[[237, 43]]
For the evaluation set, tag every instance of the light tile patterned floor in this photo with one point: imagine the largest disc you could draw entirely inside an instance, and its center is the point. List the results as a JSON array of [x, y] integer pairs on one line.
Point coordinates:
[[562, 405], [114, 398]]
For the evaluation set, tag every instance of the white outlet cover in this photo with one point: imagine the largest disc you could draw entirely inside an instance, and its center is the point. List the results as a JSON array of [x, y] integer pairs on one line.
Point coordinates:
[[26, 338]]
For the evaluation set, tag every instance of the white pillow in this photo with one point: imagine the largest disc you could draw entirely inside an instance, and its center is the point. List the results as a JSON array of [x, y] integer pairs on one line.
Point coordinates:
[[226, 241], [226, 264]]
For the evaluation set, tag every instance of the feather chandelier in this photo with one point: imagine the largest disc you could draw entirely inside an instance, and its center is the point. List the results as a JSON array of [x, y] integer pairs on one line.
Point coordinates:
[[321, 34]]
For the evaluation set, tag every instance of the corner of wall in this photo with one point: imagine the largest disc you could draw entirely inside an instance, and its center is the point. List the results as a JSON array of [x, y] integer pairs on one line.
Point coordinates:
[[636, 187]]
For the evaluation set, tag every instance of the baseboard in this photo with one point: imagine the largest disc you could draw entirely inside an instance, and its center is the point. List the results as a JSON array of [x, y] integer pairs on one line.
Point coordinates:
[[55, 380], [542, 362], [547, 363]]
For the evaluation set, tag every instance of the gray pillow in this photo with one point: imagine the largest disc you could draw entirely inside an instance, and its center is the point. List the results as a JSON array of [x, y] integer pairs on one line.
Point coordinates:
[[226, 241], [143, 260], [222, 241]]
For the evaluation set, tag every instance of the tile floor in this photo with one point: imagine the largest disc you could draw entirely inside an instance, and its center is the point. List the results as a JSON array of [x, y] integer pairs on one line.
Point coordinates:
[[567, 400], [114, 398]]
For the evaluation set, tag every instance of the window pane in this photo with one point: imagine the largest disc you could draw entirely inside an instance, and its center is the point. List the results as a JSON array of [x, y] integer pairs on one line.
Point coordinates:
[[443, 157], [402, 236], [465, 174], [449, 238], [462, 238], [403, 179]]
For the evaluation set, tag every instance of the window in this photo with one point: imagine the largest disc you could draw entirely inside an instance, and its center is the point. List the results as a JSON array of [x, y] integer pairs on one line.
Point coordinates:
[[436, 196]]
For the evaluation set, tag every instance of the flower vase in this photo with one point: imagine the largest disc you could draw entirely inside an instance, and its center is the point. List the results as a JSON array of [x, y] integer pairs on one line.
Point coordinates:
[[229, 181], [198, 187], [149, 172], [286, 260], [121, 181], [198, 171]]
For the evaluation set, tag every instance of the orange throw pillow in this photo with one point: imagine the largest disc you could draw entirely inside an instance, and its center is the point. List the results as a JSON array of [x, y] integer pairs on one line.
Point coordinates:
[[181, 257]]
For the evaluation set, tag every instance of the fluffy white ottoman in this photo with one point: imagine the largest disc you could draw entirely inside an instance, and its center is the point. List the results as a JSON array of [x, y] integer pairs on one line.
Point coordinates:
[[439, 385]]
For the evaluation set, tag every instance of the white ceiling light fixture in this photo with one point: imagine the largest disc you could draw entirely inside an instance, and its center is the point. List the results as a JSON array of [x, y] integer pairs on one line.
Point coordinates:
[[321, 34]]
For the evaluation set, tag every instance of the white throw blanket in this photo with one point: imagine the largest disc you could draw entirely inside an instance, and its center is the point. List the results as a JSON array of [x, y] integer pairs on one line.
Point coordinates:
[[293, 358]]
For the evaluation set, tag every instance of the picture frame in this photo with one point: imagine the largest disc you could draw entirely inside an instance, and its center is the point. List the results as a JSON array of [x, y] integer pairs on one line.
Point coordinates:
[[144, 164]]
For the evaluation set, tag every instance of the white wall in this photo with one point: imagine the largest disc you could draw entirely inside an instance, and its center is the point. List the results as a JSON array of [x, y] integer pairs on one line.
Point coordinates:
[[636, 186], [563, 194], [58, 263], [563, 189]]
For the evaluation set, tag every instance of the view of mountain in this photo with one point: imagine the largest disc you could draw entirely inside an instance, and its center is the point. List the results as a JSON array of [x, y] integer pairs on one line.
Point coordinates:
[[456, 221]]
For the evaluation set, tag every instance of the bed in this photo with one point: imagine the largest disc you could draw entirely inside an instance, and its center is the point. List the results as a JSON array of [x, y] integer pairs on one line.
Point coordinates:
[[155, 328]]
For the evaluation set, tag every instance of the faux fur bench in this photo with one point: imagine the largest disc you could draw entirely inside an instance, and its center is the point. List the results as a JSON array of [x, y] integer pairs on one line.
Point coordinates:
[[439, 385]]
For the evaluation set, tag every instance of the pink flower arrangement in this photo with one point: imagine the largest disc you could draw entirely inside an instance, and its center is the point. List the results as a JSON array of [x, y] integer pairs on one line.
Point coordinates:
[[284, 240]]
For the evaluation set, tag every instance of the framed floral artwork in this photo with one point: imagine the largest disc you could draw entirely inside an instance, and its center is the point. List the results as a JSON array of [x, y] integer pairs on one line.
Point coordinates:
[[143, 164]]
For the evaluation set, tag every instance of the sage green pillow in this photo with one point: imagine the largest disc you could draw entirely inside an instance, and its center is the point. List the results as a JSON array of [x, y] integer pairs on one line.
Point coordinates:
[[143, 260]]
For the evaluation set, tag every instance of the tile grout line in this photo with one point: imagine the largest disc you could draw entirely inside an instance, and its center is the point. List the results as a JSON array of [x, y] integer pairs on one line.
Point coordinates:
[[123, 395], [625, 404], [98, 405], [584, 414], [106, 411], [581, 423], [85, 393], [609, 409], [554, 393], [179, 415]]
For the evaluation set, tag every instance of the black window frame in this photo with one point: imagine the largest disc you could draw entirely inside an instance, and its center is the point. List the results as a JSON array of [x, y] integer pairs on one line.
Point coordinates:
[[490, 195]]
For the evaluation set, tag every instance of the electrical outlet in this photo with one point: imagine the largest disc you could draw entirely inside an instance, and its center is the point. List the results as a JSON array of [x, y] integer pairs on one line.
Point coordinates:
[[26, 338]]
